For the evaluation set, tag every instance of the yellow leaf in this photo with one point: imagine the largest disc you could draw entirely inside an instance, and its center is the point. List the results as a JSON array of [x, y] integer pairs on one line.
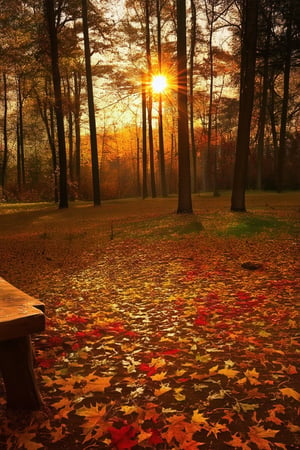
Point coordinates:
[[162, 390], [130, 409], [178, 395], [264, 333], [229, 373], [199, 418], [143, 436], [159, 376], [289, 392], [203, 358], [252, 373], [213, 369], [158, 362]]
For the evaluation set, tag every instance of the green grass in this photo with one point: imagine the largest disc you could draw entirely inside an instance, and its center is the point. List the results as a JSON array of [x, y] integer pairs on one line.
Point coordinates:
[[250, 225]]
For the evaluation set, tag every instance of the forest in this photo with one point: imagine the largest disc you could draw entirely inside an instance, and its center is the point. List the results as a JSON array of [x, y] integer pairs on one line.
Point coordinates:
[[137, 98]]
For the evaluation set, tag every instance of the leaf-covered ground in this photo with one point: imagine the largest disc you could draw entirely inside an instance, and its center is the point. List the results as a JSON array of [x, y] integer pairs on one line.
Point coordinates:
[[163, 331]]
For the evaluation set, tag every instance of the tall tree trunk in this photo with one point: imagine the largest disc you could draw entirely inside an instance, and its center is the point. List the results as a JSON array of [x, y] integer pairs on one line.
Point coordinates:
[[247, 77], [3, 163], [160, 113], [47, 115], [184, 172], [138, 178], [149, 103], [77, 91], [70, 130], [285, 101], [144, 132], [273, 127], [63, 188], [263, 107], [20, 137], [92, 120], [191, 86], [208, 160]]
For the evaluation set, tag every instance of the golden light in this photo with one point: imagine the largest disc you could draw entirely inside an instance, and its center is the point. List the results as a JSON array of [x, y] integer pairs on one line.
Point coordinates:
[[159, 83]]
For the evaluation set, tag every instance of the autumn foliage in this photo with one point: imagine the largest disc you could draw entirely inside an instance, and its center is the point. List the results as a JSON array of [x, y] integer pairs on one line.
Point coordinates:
[[157, 336]]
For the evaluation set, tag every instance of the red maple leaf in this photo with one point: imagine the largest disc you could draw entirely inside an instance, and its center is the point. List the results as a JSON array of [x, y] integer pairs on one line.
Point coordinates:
[[150, 370], [173, 351], [155, 438], [122, 438], [116, 327], [76, 319], [241, 295]]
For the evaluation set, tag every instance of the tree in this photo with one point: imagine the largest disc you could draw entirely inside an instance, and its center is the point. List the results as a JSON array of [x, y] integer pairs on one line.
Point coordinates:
[[290, 6], [247, 78], [144, 139], [49, 12], [3, 162], [150, 100], [160, 115], [266, 35], [184, 174], [191, 86], [92, 120]]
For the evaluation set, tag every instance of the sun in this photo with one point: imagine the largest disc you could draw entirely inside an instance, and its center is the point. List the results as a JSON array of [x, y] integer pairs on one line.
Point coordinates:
[[159, 83]]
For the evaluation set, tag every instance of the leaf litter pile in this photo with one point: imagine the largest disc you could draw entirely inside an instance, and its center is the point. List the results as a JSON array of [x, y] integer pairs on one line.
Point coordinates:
[[163, 331]]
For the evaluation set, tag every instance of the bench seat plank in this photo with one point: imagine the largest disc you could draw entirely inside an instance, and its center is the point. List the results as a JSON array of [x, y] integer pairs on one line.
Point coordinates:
[[9, 295], [20, 316], [20, 320]]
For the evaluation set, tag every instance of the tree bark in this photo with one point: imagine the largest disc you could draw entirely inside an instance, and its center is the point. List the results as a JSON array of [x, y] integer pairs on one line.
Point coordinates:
[[144, 145], [285, 101], [149, 102], [50, 18], [184, 172], [191, 86], [92, 120], [3, 166], [77, 91], [160, 109], [247, 77]]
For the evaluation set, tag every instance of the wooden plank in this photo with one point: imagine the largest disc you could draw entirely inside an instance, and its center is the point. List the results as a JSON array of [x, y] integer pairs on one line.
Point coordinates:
[[18, 320], [9, 294]]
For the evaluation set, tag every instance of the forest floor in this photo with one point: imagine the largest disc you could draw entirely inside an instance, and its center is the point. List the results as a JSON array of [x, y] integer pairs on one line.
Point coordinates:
[[164, 331]]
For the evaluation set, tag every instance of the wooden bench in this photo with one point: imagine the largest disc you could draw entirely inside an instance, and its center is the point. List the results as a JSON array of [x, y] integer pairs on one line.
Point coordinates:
[[20, 316]]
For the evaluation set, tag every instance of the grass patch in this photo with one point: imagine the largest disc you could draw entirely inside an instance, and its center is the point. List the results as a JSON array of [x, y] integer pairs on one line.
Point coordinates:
[[249, 225]]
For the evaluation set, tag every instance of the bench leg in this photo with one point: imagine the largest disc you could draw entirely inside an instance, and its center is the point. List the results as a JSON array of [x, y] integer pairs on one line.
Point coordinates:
[[16, 366]]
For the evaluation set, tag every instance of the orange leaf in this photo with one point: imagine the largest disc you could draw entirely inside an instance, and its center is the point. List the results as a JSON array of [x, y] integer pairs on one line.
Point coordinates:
[[159, 376], [229, 373], [289, 392], [237, 442], [258, 434], [96, 384]]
